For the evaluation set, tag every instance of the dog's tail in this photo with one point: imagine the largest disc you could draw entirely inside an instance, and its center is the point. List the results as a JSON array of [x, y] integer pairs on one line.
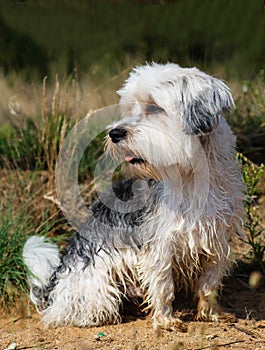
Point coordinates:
[[42, 259]]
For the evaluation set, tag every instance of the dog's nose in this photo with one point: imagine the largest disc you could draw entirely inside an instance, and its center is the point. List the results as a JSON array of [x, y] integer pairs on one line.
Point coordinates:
[[117, 134]]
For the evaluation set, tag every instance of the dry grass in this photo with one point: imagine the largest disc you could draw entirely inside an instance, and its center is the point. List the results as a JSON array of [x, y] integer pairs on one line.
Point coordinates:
[[73, 95]]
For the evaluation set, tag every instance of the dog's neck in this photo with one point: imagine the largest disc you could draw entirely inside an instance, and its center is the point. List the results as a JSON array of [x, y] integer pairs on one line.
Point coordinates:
[[183, 193]]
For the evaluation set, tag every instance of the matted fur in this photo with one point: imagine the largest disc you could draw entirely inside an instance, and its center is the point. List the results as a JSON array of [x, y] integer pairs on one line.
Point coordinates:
[[190, 205]]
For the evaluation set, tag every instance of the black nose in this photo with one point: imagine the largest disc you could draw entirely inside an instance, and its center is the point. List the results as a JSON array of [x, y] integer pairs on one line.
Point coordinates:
[[117, 134]]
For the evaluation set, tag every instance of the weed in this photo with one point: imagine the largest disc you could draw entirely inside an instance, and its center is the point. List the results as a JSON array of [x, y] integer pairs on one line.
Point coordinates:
[[178, 346], [248, 119], [254, 231], [15, 227], [55, 125], [13, 230], [34, 142]]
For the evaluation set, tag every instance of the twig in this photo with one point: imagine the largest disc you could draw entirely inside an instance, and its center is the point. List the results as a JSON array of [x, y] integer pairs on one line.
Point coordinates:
[[244, 284], [219, 345], [52, 199], [248, 313], [32, 346], [242, 275], [14, 321], [244, 330]]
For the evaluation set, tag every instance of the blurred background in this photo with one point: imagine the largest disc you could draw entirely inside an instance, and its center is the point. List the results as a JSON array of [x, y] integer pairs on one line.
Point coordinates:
[[89, 47], [45, 37], [60, 59]]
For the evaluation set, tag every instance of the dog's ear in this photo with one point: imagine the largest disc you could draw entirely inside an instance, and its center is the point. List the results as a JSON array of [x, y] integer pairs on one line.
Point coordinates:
[[204, 101]]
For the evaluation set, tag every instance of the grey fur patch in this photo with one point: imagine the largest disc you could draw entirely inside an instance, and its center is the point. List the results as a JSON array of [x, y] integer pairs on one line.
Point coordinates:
[[201, 113], [105, 230]]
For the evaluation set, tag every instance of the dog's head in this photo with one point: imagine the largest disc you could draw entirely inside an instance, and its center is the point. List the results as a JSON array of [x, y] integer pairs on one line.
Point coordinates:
[[166, 111]]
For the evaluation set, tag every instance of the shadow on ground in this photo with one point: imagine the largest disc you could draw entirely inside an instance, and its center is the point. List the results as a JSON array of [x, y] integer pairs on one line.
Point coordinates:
[[237, 298]]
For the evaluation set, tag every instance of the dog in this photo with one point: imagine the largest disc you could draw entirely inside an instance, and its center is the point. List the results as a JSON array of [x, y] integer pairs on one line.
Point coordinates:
[[176, 213]]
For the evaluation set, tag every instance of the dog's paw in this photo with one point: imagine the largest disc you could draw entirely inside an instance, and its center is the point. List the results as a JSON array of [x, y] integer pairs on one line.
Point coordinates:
[[207, 317], [208, 309], [170, 324], [217, 316]]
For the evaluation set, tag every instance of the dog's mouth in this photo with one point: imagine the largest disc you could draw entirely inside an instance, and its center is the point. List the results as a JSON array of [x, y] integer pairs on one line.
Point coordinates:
[[133, 159]]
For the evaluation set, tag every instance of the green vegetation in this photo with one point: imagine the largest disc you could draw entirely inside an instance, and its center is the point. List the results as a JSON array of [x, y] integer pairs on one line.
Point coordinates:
[[252, 175], [13, 230], [34, 142], [24, 211]]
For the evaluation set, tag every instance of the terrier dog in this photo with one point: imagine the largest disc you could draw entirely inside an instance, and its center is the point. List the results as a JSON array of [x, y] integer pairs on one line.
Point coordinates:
[[175, 216]]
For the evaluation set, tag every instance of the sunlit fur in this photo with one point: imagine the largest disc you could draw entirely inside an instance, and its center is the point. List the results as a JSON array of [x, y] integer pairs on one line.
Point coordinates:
[[192, 208]]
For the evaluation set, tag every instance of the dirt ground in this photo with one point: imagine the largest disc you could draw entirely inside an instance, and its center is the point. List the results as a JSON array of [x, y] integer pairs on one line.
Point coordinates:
[[245, 329]]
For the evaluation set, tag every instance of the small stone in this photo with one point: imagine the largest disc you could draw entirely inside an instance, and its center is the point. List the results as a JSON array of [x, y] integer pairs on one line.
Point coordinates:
[[12, 346], [255, 279]]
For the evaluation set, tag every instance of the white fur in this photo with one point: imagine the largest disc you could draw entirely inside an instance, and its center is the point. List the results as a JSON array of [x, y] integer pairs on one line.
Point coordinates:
[[193, 226], [42, 259]]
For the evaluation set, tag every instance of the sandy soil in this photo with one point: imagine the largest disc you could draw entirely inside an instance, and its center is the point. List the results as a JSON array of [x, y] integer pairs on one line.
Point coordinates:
[[244, 329]]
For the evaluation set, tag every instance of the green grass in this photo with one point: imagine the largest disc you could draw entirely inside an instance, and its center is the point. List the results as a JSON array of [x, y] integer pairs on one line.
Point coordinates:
[[19, 146], [14, 228], [16, 225]]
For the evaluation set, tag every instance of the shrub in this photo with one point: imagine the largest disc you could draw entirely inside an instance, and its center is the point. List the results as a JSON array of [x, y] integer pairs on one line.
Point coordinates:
[[254, 231], [13, 230]]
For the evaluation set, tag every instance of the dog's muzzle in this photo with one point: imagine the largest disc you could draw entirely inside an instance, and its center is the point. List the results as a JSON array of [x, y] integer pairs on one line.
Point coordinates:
[[117, 134]]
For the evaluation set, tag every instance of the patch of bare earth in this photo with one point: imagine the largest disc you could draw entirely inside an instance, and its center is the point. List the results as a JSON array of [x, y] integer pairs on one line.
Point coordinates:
[[243, 329]]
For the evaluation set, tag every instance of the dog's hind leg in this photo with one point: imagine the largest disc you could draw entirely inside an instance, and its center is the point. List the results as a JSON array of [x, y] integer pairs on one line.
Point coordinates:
[[85, 296], [75, 290]]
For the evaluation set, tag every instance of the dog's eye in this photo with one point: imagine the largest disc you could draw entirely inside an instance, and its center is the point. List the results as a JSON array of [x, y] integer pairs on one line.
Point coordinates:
[[153, 109]]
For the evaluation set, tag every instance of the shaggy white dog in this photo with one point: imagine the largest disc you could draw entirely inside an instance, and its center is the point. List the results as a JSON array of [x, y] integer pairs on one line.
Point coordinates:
[[175, 217]]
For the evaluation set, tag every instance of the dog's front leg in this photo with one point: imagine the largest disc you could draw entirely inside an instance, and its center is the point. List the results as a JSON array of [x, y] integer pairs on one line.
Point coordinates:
[[207, 289], [157, 281]]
